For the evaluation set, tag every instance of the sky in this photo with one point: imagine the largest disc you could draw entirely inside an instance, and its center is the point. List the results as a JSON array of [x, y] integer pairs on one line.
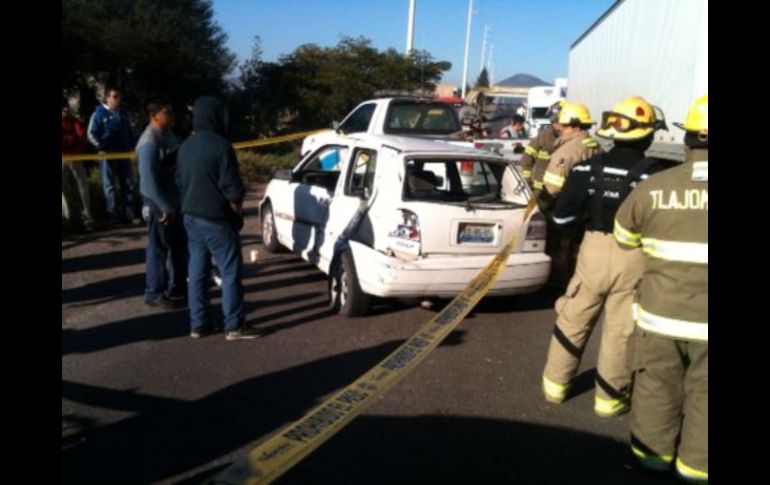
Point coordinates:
[[529, 36]]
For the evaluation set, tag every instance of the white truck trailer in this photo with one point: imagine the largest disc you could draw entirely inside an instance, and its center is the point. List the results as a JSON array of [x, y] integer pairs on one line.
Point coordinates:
[[657, 49]]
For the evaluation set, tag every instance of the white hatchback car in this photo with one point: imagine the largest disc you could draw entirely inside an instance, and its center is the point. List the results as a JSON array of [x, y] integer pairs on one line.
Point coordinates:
[[402, 217]]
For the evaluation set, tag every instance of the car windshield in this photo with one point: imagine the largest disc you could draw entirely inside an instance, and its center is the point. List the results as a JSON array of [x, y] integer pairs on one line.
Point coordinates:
[[462, 182], [539, 113], [420, 118], [509, 100]]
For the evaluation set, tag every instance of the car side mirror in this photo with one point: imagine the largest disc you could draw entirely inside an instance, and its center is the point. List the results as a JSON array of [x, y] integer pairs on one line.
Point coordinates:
[[335, 125], [362, 192], [284, 174]]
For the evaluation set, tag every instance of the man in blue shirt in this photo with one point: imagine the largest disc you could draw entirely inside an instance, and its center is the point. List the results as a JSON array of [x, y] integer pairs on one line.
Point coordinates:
[[166, 260], [110, 131]]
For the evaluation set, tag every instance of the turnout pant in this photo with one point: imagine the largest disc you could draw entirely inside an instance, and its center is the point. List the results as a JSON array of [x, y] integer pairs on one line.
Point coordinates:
[[670, 403], [605, 279]]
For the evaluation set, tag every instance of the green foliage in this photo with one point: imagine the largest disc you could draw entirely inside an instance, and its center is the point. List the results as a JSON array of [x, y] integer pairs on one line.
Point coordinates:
[[483, 79], [313, 86], [168, 48], [258, 166]]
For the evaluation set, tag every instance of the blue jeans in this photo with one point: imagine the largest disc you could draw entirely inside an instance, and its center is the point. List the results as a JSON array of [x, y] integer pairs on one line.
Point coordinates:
[[166, 256], [221, 240], [122, 170]]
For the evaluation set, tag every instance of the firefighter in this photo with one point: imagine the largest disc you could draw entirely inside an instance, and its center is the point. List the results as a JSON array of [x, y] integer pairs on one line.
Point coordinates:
[[537, 153], [573, 146], [606, 275], [667, 215]]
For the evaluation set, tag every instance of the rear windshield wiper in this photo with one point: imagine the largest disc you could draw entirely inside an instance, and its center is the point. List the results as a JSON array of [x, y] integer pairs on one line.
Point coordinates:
[[479, 199]]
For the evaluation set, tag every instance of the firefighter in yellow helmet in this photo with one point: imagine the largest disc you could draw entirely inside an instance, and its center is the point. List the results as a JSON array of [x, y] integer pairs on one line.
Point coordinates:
[[573, 146], [606, 275], [538, 152], [667, 216]]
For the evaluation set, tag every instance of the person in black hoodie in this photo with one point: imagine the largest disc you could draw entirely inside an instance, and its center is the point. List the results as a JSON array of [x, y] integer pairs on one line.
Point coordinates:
[[212, 200]]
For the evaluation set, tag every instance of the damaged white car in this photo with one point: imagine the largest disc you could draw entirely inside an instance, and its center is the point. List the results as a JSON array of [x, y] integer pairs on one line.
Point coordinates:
[[403, 217]]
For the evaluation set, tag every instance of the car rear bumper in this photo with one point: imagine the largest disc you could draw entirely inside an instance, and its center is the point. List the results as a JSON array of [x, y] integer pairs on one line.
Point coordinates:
[[382, 275]]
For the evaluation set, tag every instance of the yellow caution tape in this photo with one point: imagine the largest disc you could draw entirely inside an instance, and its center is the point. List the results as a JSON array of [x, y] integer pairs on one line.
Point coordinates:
[[285, 449], [237, 146], [271, 141], [97, 156]]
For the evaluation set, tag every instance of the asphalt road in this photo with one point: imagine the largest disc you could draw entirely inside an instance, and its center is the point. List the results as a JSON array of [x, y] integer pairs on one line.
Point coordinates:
[[144, 403]]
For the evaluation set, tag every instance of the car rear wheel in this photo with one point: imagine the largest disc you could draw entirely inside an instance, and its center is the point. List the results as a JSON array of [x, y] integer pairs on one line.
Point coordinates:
[[345, 294]]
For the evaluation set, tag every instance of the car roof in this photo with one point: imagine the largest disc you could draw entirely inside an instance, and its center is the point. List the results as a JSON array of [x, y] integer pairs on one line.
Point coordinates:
[[414, 99], [408, 144]]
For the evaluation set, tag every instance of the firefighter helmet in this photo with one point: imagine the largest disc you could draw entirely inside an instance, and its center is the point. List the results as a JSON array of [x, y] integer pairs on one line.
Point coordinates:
[[697, 120], [575, 114], [631, 119], [553, 111]]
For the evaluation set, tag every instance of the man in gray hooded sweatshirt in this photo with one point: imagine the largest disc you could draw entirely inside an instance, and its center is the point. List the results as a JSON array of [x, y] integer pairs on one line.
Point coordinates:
[[166, 256], [212, 201]]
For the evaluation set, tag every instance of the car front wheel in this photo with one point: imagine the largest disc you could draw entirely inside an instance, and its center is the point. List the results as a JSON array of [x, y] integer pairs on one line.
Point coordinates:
[[269, 238]]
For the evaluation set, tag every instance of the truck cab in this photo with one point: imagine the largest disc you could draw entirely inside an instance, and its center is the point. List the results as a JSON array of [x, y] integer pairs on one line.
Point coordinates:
[[421, 117], [539, 99]]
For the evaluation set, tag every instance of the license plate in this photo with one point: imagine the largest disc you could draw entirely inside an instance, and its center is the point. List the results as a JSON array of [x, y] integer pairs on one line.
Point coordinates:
[[475, 233]]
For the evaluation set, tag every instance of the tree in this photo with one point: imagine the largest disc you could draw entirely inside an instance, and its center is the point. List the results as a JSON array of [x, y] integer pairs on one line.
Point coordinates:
[[168, 48], [483, 79], [314, 85]]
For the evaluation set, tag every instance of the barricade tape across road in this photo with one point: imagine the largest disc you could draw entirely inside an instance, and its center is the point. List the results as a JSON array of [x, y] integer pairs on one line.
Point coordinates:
[[289, 446], [237, 146], [281, 452]]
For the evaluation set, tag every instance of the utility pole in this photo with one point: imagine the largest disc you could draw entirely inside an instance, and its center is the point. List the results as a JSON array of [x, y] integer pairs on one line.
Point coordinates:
[[467, 46], [410, 28], [489, 59], [492, 75], [484, 47]]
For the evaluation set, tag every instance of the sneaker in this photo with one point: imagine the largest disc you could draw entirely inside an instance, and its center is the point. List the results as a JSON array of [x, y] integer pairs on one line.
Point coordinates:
[[161, 302], [216, 277], [245, 333], [177, 298], [206, 330]]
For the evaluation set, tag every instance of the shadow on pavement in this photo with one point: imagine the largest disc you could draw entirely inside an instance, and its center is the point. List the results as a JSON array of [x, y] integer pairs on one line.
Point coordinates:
[[106, 290], [109, 260], [170, 437]]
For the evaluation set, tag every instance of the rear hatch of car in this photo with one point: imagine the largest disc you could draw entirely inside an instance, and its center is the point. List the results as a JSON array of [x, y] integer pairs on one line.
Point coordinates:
[[454, 206]]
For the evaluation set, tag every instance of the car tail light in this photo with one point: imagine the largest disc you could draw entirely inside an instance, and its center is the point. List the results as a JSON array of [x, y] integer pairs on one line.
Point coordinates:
[[536, 230], [406, 238], [479, 144], [409, 229], [536, 233], [466, 168]]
